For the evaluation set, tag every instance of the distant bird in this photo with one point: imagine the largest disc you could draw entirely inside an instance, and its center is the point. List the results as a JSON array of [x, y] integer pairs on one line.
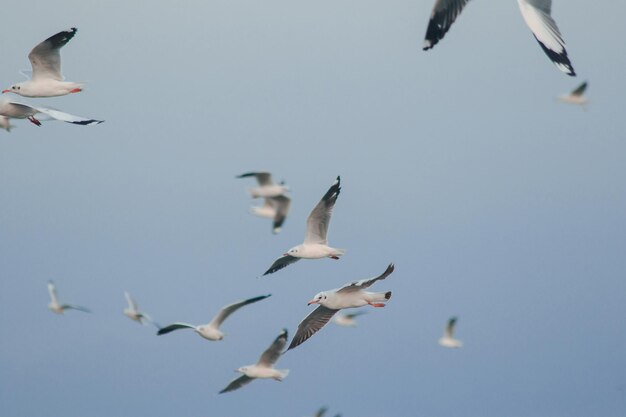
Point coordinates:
[[576, 96], [45, 59], [5, 123], [315, 244], [321, 412], [211, 331], [347, 320], [448, 339], [264, 368], [266, 188], [16, 110], [349, 296], [275, 208], [536, 14], [57, 307], [133, 313]]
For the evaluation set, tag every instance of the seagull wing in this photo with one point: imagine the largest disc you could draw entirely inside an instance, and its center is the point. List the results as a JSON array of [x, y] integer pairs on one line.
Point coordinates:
[[319, 219], [321, 412], [442, 17], [75, 307], [272, 353], [536, 14], [45, 58], [365, 283], [52, 290], [66, 117], [231, 308], [449, 331], [16, 110], [175, 326], [131, 303], [237, 383], [280, 263], [311, 324], [264, 178], [281, 204], [580, 90]]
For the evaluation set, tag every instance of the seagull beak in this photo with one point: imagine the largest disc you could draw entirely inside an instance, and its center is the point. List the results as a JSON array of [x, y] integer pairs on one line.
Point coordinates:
[[6, 91], [285, 254], [312, 302]]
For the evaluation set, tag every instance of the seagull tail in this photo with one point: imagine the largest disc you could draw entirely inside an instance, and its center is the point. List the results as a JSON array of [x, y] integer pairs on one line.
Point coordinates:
[[282, 374]]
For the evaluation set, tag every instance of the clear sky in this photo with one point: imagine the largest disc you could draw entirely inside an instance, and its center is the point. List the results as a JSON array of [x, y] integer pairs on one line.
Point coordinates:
[[496, 203]]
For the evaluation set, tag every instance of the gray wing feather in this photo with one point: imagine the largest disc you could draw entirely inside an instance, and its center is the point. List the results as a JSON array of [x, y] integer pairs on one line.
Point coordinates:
[[281, 263], [311, 324], [272, 353], [74, 307], [450, 327], [264, 178], [319, 219], [282, 203], [231, 308], [580, 90], [45, 58], [442, 17], [237, 383], [365, 283], [175, 326]]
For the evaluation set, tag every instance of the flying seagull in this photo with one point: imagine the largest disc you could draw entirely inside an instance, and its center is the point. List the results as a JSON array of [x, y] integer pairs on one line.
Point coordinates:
[[45, 59], [266, 188], [57, 307], [349, 296], [315, 244], [5, 123], [347, 320], [536, 14], [576, 96], [211, 331], [264, 368], [16, 110], [133, 313], [275, 208], [321, 412], [448, 339]]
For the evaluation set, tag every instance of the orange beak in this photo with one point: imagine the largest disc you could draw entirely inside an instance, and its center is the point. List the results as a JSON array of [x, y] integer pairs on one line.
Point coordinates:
[[312, 302], [6, 91]]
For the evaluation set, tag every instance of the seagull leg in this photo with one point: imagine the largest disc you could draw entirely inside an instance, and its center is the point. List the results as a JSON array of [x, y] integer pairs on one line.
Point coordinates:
[[34, 121], [76, 90]]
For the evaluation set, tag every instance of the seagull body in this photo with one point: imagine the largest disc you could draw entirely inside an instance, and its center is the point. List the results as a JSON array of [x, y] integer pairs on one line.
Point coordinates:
[[5, 123], [275, 208], [347, 320], [211, 330], [56, 307], [133, 313], [536, 14], [448, 339], [576, 96], [45, 59], [351, 295], [16, 110], [267, 187], [264, 368], [315, 244]]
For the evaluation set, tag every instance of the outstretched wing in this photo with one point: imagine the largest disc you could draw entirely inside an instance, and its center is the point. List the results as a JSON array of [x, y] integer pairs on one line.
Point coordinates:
[[580, 90], [442, 17], [175, 326], [75, 307], [280, 263], [231, 308], [449, 331], [45, 58], [68, 118], [319, 219], [272, 353], [264, 178], [311, 324], [237, 383], [365, 283], [281, 204], [131, 303]]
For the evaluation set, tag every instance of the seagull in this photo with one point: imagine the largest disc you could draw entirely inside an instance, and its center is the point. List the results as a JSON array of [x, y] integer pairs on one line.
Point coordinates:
[[448, 339], [347, 320], [266, 187], [58, 308], [211, 331], [22, 111], [321, 412], [264, 368], [349, 296], [576, 96], [275, 208], [45, 59], [5, 123], [315, 244], [133, 313], [536, 14]]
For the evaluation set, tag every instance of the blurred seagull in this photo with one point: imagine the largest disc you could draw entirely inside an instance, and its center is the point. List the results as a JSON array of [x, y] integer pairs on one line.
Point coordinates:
[[536, 14], [576, 96], [5, 123], [58, 308], [321, 412], [133, 313], [22, 111], [275, 208], [211, 330], [347, 320], [45, 59], [448, 339], [266, 187], [349, 296], [264, 368], [315, 244]]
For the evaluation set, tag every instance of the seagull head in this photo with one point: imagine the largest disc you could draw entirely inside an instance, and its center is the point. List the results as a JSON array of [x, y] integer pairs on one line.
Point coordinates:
[[319, 298], [293, 252], [242, 370], [13, 89]]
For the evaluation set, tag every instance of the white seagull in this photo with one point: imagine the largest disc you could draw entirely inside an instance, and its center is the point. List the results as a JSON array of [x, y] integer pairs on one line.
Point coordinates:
[[349, 296], [275, 208], [448, 339], [57, 307], [133, 313], [45, 60], [16, 110], [211, 331], [347, 320], [5, 123], [576, 96], [264, 368], [266, 188], [536, 14], [315, 244]]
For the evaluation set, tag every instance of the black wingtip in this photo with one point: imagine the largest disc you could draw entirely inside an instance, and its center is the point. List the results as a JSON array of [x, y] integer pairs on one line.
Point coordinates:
[[387, 295]]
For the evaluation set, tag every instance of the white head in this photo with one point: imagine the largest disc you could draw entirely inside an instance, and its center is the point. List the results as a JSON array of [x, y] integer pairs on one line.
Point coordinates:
[[16, 88], [319, 298], [242, 370], [295, 251]]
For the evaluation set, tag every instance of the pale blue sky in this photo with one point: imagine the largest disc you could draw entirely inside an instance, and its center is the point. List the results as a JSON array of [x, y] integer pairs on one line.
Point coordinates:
[[495, 202]]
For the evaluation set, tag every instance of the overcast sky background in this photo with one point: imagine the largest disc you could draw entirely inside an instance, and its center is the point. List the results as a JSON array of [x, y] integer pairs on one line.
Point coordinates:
[[496, 203]]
